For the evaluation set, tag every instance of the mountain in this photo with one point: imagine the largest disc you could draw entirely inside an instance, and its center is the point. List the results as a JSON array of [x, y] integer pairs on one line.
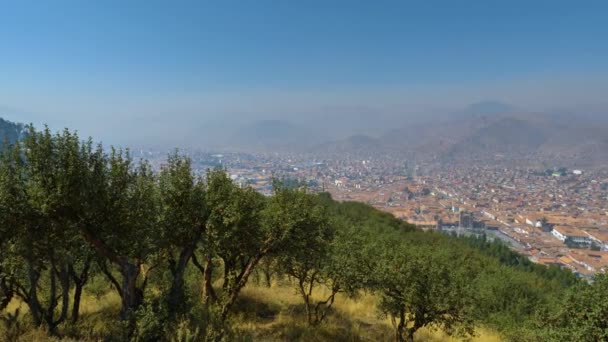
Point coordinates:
[[273, 135], [356, 144], [505, 135], [493, 132], [513, 137], [484, 108], [10, 131]]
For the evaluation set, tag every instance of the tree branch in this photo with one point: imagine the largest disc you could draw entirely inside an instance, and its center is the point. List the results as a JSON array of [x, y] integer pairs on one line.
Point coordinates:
[[108, 274], [197, 264]]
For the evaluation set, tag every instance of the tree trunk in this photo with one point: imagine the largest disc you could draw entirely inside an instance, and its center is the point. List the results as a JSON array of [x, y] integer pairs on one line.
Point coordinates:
[[417, 325], [79, 282], [64, 281], [410, 335], [76, 304], [401, 327], [131, 295], [32, 296], [306, 298], [241, 282], [63, 277], [52, 295], [226, 274], [177, 296], [268, 278], [208, 292], [322, 308], [7, 293]]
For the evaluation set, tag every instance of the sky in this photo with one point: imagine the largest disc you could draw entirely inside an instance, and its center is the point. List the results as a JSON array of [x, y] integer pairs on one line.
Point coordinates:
[[126, 71]]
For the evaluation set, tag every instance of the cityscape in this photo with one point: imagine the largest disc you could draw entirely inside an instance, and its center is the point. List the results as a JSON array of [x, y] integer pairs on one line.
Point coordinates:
[[327, 171], [554, 217]]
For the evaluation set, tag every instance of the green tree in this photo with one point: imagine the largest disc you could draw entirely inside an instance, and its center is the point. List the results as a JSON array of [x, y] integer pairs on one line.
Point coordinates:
[[40, 189], [308, 259], [127, 235], [234, 235], [183, 216], [422, 287], [581, 315], [13, 212]]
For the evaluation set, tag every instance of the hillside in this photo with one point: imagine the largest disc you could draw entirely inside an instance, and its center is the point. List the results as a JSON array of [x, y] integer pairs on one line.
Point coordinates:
[[538, 137], [264, 313]]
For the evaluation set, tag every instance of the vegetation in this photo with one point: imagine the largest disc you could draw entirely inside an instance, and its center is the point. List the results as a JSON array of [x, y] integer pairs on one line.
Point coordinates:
[[9, 132], [175, 256]]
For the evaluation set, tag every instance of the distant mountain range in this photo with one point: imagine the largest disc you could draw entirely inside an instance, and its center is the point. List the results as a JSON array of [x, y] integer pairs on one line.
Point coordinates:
[[514, 137], [356, 144], [272, 134], [489, 131]]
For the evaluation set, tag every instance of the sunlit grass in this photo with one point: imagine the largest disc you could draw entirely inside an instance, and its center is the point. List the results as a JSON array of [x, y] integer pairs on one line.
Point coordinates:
[[262, 314], [277, 314]]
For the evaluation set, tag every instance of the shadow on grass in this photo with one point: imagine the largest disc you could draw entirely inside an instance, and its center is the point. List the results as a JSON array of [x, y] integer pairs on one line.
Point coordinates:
[[258, 320]]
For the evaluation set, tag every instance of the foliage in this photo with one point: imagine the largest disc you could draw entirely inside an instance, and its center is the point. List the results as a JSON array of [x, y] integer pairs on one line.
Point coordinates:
[[420, 288], [10, 132], [581, 316]]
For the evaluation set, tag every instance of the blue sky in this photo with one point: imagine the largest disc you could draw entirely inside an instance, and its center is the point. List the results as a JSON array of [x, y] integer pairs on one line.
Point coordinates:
[[91, 64]]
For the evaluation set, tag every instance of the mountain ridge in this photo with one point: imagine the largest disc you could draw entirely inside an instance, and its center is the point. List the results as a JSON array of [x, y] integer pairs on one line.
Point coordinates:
[[519, 136]]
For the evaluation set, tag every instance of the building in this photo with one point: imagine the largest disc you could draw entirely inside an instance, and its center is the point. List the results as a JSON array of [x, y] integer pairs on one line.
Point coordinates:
[[575, 235], [466, 220], [600, 238], [534, 220]]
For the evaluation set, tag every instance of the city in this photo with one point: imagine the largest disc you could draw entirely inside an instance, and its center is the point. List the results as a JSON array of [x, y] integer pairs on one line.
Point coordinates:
[[328, 171], [554, 217]]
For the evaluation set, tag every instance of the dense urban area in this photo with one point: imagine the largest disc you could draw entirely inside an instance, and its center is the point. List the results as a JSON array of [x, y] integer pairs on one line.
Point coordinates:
[[555, 216]]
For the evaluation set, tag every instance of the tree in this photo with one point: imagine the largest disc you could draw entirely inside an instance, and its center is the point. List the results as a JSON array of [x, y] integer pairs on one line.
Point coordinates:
[[37, 186], [12, 219], [183, 216], [308, 258], [126, 230], [581, 315], [505, 298], [234, 234], [74, 256], [422, 287]]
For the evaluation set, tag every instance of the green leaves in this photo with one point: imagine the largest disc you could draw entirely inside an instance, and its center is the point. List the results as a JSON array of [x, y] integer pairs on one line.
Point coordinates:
[[581, 315], [183, 210], [420, 286]]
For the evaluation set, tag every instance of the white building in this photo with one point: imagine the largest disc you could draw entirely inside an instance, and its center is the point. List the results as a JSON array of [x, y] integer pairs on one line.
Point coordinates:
[[574, 234], [600, 238]]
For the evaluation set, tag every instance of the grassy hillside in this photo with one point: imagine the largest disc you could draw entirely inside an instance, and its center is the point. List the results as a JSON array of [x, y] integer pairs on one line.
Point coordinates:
[[263, 313]]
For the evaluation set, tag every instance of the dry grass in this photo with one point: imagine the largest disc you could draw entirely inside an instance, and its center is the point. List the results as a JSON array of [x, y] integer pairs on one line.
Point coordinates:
[[262, 314], [277, 314]]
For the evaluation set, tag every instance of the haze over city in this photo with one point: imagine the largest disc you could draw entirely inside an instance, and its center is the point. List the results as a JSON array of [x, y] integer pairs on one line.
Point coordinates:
[[184, 74], [303, 171]]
